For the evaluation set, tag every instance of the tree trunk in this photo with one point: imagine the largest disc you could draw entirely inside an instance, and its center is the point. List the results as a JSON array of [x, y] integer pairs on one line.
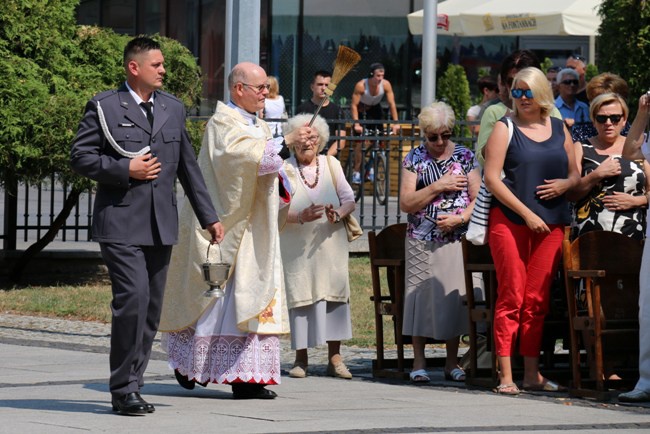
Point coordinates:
[[70, 202]]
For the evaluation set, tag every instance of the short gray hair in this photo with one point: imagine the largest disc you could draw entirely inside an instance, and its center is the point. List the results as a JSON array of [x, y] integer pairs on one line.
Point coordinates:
[[303, 119], [566, 71], [435, 116]]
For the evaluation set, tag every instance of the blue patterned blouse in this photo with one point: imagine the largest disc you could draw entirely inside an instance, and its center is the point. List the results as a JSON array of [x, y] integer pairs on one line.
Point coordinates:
[[422, 225]]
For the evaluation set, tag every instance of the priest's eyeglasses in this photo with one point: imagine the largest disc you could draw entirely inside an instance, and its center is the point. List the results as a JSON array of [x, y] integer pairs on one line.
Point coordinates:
[[258, 89]]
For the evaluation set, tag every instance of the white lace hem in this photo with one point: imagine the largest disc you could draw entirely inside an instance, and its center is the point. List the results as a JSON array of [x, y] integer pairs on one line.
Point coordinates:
[[224, 359]]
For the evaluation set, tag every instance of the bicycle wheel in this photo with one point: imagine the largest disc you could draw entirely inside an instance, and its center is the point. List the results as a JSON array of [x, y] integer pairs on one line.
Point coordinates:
[[381, 178]]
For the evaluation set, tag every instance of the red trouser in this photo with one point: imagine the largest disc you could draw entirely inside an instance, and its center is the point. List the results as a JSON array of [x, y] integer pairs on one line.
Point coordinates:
[[525, 264]]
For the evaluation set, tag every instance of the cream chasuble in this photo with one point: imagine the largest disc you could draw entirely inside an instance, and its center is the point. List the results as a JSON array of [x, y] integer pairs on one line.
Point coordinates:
[[247, 205]]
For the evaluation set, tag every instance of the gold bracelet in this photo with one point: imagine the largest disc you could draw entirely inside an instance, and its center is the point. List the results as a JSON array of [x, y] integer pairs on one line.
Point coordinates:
[[462, 220]]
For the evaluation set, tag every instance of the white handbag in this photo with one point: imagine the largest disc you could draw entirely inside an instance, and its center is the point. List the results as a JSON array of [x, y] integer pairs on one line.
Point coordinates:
[[477, 230]]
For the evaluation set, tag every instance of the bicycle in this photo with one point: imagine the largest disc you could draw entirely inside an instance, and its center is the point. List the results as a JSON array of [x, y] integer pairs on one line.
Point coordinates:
[[376, 166]]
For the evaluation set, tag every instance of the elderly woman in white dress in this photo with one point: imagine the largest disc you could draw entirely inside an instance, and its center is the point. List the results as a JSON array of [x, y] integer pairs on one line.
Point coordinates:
[[315, 251]]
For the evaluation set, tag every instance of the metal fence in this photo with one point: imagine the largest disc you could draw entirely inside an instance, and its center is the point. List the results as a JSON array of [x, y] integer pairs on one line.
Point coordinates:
[[29, 214]]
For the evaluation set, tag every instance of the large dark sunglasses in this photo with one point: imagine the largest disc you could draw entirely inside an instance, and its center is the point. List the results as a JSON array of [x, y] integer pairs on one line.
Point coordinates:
[[601, 119], [579, 57], [433, 138], [573, 82], [518, 93]]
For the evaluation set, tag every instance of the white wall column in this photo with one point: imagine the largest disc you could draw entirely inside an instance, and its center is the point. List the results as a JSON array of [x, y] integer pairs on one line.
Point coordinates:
[[429, 52], [243, 19]]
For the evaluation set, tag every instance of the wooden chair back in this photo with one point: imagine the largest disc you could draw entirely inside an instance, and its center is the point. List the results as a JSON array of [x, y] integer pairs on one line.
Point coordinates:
[[386, 250], [607, 264]]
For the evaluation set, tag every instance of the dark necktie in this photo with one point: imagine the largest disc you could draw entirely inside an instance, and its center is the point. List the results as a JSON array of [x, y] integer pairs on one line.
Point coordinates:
[[148, 108]]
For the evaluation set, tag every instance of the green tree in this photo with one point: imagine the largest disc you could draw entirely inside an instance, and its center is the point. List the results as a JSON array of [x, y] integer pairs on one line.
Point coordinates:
[[50, 68], [624, 44], [453, 88]]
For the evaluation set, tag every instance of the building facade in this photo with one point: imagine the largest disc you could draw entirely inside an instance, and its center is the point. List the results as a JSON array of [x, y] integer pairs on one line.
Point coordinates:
[[299, 37]]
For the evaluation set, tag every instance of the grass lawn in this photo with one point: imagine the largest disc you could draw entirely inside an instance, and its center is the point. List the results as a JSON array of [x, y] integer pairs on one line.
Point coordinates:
[[91, 302]]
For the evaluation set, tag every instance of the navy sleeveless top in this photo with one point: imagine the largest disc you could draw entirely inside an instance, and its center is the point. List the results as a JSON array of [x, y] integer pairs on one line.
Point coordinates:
[[527, 164]]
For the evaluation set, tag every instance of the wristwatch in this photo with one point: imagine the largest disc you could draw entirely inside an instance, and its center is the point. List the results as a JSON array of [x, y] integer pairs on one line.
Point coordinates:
[[337, 217]]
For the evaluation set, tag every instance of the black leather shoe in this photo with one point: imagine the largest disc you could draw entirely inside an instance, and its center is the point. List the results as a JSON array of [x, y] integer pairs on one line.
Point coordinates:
[[635, 395], [150, 408], [183, 380], [130, 404], [251, 391]]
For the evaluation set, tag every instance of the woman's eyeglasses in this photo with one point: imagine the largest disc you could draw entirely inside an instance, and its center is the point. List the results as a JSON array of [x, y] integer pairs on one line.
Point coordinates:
[[518, 93], [258, 89], [601, 119], [573, 82], [433, 138]]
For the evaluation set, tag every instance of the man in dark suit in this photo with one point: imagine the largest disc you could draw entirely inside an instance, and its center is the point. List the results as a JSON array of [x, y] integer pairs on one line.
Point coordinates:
[[135, 151]]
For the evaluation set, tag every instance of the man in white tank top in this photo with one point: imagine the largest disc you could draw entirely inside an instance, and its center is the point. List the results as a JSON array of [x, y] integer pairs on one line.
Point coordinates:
[[366, 104]]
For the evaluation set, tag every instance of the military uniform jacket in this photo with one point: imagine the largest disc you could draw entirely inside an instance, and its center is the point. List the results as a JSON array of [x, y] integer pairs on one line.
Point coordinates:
[[127, 210]]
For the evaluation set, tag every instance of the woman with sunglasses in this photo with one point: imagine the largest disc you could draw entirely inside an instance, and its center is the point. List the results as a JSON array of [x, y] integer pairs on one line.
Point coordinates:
[[598, 85], [526, 223], [440, 181], [610, 195]]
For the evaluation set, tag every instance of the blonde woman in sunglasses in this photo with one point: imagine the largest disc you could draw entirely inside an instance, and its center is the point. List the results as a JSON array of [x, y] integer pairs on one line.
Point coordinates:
[[526, 223]]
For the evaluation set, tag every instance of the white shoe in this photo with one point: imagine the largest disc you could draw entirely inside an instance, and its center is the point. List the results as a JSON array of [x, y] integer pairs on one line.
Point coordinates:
[[356, 178]]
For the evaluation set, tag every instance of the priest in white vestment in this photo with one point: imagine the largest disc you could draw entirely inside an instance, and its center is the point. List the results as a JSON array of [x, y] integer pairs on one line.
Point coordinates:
[[234, 339]]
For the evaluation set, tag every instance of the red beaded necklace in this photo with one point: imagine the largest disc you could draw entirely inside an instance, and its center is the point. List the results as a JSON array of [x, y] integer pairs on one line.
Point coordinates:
[[302, 176]]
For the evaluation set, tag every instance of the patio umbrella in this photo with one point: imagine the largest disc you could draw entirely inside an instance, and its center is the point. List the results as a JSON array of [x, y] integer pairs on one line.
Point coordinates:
[[515, 17]]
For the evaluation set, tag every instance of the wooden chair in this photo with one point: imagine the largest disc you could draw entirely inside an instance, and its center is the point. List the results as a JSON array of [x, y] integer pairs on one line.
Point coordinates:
[[607, 264], [478, 259], [386, 250]]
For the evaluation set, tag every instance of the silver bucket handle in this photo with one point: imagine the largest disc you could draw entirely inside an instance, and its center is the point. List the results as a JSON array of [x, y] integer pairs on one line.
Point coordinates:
[[207, 255]]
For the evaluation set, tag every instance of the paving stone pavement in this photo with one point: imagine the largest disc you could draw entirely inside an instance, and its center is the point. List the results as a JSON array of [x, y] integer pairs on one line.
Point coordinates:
[[53, 375], [95, 337]]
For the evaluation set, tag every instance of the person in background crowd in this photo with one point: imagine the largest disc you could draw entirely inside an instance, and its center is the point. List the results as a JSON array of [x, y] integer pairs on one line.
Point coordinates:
[[330, 111], [313, 243], [489, 89], [602, 83], [579, 64], [135, 220], [366, 104], [440, 181], [526, 223], [274, 107], [573, 111], [551, 76], [635, 148], [235, 339]]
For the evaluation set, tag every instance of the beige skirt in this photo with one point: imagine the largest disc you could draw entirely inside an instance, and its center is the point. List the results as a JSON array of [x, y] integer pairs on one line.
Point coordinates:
[[435, 290]]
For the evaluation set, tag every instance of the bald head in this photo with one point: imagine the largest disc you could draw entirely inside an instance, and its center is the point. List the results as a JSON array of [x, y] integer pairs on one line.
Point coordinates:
[[244, 72], [245, 81]]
